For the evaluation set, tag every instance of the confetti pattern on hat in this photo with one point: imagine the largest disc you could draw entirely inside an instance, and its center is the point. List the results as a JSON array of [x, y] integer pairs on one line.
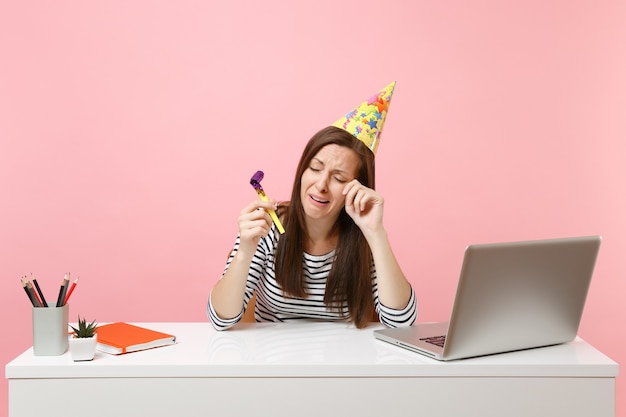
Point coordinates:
[[366, 121]]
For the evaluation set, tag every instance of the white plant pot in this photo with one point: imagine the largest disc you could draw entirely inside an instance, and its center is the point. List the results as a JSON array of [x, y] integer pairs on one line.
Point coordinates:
[[83, 348]]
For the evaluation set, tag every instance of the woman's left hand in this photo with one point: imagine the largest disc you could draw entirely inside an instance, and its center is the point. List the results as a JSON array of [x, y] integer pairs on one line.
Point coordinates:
[[364, 206]]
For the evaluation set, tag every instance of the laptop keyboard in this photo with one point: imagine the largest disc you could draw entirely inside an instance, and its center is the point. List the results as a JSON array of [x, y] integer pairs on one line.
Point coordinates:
[[435, 340]]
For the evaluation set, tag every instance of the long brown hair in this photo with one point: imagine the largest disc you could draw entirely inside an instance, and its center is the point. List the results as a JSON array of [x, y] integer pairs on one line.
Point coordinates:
[[350, 278]]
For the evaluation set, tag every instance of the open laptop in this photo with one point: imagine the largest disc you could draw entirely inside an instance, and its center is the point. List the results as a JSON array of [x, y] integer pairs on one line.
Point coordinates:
[[510, 296]]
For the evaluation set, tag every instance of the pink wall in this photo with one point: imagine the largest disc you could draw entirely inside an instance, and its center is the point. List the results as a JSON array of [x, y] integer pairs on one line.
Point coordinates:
[[129, 131]]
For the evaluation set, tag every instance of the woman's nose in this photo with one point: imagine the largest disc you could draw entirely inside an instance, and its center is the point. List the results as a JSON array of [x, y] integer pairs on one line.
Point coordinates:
[[322, 184]]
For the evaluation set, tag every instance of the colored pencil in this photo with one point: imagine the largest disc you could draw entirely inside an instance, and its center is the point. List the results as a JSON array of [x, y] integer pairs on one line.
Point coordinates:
[[31, 297], [63, 290], [32, 291], [67, 297], [43, 299]]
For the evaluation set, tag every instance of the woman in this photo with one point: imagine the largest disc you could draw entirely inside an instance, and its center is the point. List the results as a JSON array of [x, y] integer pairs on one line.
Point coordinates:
[[334, 261]]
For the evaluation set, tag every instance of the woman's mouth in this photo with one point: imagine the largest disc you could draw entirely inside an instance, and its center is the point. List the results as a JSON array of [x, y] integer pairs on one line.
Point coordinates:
[[318, 200]]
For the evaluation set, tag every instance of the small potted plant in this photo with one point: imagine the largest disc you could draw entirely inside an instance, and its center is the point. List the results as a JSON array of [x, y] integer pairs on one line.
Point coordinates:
[[84, 340]]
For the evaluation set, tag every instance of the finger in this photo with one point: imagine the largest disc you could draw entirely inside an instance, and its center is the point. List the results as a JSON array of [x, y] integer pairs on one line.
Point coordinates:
[[358, 197], [359, 200], [351, 193], [253, 212], [350, 186], [260, 204], [258, 228], [255, 229], [260, 214]]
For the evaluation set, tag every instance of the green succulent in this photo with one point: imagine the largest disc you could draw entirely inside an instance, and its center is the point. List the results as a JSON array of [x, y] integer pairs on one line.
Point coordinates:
[[84, 329]]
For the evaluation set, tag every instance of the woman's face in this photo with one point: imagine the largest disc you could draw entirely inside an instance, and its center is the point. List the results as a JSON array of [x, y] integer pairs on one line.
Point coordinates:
[[323, 181]]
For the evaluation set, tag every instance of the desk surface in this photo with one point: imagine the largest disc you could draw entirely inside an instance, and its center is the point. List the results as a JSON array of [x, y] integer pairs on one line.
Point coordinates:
[[312, 349]]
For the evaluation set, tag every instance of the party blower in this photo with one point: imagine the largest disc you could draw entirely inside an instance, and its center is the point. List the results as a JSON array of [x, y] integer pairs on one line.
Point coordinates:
[[255, 182]]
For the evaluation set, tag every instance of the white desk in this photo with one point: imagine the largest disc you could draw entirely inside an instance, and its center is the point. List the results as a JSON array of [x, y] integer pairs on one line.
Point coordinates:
[[307, 369]]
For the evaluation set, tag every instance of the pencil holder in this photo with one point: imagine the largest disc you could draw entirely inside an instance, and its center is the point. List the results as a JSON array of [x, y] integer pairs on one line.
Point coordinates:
[[50, 332]]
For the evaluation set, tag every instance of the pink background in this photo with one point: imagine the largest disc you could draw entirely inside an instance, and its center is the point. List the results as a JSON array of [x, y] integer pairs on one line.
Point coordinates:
[[129, 131]]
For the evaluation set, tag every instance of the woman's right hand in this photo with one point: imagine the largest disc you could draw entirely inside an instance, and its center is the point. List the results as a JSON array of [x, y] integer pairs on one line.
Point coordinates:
[[254, 223]]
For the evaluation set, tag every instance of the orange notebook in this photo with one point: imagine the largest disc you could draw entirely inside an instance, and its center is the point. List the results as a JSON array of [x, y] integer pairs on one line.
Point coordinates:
[[120, 337]]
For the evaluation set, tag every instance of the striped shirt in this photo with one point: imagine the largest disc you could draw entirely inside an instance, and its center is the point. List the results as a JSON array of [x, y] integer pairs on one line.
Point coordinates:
[[272, 305]]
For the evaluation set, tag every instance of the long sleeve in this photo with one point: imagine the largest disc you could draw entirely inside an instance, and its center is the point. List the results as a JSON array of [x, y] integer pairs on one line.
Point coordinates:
[[272, 305]]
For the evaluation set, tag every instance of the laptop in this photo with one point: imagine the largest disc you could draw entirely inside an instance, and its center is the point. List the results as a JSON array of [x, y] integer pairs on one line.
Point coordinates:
[[510, 296]]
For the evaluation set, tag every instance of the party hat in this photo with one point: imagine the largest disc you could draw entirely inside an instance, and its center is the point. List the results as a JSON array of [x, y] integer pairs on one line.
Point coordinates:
[[366, 121]]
